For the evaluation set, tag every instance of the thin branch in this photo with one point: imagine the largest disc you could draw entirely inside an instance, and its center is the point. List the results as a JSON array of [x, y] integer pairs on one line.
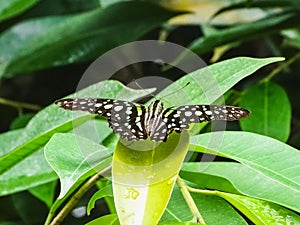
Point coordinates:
[[189, 200], [19, 105], [77, 196]]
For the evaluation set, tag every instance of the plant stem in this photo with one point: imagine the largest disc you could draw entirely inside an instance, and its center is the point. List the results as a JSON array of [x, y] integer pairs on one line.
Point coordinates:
[[281, 67], [199, 191], [76, 197], [19, 105], [189, 200]]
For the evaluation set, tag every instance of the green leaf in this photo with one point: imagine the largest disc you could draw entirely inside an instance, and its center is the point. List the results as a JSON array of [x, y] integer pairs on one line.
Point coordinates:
[[273, 178], [111, 219], [45, 192], [261, 212], [177, 209], [270, 111], [216, 211], [291, 37], [72, 157], [31, 172], [29, 208], [21, 121], [53, 119], [271, 24], [103, 192], [257, 185], [12, 8], [143, 174], [259, 4], [75, 38], [209, 83], [60, 7], [269, 156]]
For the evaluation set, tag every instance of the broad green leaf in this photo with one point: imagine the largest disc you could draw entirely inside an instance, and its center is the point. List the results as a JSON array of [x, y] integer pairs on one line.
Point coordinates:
[[103, 192], [271, 24], [177, 209], [270, 111], [221, 176], [111, 219], [213, 209], [75, 38], [16, 179], [267, 155], [12, 8], [210, 83], [71, 157], [45, 192], [144, 173], [216, 211], [31, 172], [261, 212], [54, 119]]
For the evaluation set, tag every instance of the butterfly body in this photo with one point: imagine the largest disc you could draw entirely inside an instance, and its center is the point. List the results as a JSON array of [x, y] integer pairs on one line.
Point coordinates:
[[134, 121]]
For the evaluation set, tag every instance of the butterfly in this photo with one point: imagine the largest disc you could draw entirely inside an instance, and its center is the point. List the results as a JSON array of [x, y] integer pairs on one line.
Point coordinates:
[[133, 121]]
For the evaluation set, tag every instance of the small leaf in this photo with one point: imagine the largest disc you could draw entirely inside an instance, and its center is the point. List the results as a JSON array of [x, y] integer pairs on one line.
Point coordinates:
[[111, 219], [270, 111], [103, 192], [21, 121], [291, 37], [72, 157]]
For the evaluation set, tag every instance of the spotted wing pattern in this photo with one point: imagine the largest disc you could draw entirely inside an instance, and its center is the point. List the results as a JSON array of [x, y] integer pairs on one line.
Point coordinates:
[[136, 122], [180, 118], [122, 116]]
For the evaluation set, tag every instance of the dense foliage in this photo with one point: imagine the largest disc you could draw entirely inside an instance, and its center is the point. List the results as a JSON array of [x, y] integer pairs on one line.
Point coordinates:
[[252, 49]]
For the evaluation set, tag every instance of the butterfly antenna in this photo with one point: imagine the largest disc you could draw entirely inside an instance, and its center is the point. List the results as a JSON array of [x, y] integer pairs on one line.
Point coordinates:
[[140, 87], [188, 83]]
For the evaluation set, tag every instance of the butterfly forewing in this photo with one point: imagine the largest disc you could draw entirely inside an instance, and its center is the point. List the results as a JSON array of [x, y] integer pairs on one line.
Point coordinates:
[[136, 122], [180, 118], [122, 116]]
